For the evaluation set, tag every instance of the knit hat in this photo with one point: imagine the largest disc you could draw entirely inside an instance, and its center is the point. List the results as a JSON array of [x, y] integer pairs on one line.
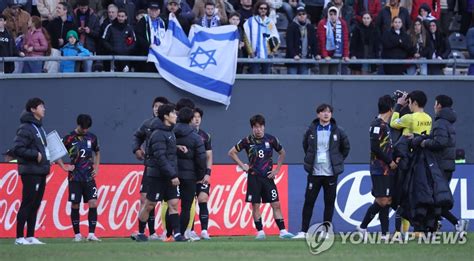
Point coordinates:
[[72, 33]]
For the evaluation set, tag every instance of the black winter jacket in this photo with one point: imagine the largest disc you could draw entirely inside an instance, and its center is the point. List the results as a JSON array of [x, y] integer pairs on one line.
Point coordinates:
[[384, 19], [119, 39], [293, 41], [191, 165], [27, 144], [396, 46], [161, 160], [142, 134], [7, 49], [339, 147], [58, 29], [91, 21], [442, 140]]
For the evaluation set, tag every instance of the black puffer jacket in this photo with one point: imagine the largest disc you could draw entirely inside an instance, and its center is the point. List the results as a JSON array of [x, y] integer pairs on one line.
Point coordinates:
[[27, 144], [339, 147], [58, 29], [142, 134], [191, 165], [442, 140], [161, 160], [118, 39], [91, 21]]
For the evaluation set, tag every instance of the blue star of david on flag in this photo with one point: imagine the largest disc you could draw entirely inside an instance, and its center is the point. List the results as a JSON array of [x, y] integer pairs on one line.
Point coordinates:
[[198, 54]]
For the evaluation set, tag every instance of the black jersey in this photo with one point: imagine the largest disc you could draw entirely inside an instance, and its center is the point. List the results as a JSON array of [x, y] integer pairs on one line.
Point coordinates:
[[80, 149], [259, 152], [381, 148]]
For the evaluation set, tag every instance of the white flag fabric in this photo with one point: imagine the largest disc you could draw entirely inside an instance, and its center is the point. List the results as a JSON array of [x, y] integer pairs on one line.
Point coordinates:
[[204, 63]]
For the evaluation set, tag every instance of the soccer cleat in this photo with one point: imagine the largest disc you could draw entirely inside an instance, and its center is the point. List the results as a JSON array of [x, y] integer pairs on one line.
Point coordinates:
[[92, 237], [205, 235], [34, 241], [168, 239], [22, 241], [191, 235], [385, 238], [180, 238], [285, 234], [154, 236], [133, 236], [260, 235], [300, 235], [462, 225], [141, 238], [77, 238]]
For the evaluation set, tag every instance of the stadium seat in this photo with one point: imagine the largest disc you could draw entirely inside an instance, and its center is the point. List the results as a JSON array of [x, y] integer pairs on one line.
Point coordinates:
[[457, 41]]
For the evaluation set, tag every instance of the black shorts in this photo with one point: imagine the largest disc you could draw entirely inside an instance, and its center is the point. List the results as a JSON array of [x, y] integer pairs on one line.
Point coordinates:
[[161, 189], [261, 190], [78, 190], [202, 188], [382, 186], [144, 183]]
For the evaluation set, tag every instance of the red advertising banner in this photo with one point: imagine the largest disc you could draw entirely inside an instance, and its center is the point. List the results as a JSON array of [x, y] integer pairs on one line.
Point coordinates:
[[118, 203]]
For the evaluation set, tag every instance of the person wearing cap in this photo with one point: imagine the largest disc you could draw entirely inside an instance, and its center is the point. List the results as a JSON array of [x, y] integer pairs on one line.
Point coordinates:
[[73, 48], [333, 39], [301, 41], [182, 11], [150, 30], [16, 20]]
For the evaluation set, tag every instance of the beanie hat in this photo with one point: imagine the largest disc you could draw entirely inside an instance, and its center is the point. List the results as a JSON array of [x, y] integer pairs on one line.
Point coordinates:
[[72, 33]]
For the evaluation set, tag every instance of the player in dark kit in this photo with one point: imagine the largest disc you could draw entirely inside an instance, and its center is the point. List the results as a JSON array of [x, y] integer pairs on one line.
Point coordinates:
[[140, 137], [261, 186], [83, 150], [382, 167]]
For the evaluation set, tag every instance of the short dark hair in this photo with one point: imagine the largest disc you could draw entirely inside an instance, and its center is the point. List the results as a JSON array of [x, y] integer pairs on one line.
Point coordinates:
[[444, 100], [385, 104], [33, 103], [65, 5], [257, 6], [234, 14], [82, 3], [323, 107], [257, 119], [200, 111], [419, 97], [209, 3], [165, 110], [185, 102], [160, 99], [122, 11], [185, 115], [84, 121]]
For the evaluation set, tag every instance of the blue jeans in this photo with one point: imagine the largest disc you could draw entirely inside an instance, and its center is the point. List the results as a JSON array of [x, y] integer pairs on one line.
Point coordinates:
[[260, 68], [298, 69], [33, 67]]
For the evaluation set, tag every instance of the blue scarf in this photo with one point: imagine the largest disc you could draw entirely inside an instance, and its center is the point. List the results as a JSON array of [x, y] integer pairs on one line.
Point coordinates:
[[334, 41], [213, 22]]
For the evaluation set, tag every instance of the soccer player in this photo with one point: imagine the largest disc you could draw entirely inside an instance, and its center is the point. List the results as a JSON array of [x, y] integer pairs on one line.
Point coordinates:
[[261, 186], [83, 150], [162, 171], [382, 166], [202, 187], [140, 138]]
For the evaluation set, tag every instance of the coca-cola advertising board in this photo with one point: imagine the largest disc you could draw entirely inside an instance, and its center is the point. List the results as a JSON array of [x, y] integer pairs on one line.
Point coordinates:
[[118, 202]]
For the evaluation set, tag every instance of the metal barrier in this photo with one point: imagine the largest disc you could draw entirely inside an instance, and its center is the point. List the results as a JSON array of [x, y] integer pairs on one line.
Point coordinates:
[[455, 63]]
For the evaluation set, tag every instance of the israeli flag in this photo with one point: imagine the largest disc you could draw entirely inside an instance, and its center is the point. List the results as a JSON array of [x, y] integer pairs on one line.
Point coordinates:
[[203, 64]]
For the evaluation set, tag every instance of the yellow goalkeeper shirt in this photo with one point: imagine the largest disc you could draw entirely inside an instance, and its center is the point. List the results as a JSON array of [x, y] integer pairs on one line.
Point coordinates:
[[415, 123]]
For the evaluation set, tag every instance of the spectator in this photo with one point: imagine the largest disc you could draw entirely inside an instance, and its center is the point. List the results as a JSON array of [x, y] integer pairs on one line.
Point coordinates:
[[396, 45], [388, 13], [36, 43], [129, 7], [441, 48], [345, 12], [424, 14], [470, 49], [361, 7], [234, 19], [314, 9], [7, 47], [25, 4], [140, 14], [150, 30], [422, 47], [95, 5], [333, 37], [282, 7], [466, 9], [245, 11], [200, 10], [112, 11], [174, 6], [87, 23], [59, 26], [47, 10], [365, 42], [119, 39], [300, 41], [16, 20], [432, 7], [72, 48], [210, 17], [262, 36]]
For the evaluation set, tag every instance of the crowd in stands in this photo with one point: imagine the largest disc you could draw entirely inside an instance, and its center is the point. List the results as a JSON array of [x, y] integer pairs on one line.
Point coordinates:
[[295, 29]]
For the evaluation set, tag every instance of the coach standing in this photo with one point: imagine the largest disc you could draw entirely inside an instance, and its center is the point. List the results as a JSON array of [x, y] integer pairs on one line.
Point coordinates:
[[33, 166], [326, 146]]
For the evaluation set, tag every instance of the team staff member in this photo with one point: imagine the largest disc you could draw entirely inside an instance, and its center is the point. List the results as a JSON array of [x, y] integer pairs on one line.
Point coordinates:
[[30, 148], [326, 146]]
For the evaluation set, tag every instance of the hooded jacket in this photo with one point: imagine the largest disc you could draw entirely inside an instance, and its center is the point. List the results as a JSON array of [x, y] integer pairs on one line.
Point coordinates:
[[191, 165], [339, 147], [322, 36], [27, 144], [161, 160], [442, 140], [72, 50]]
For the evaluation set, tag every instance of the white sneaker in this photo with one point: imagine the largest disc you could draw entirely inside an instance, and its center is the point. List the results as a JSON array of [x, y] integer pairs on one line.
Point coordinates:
[[92, 237], [462, 225], [77, 238], [285, 234], [22, 241], [260, 235], [34, 241], [205, 235], [191, 235], [154, 236], [300, 235]]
